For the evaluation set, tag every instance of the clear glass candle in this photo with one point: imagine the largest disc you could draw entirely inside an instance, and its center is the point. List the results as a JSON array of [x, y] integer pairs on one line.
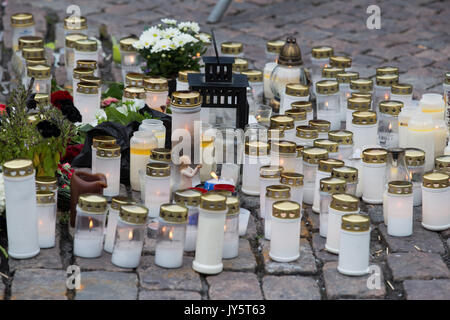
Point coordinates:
[[20, 205], [285, 233], [89, 226], [141, 145], [323, 171], [171, 236], [130, 235], [344, 138], [365, 129], [157, 128], [86, 49], [136, 95], [293, 92], [274, 193], [311, 157], [255, 80], [344, 79], [113, 216], [108, 163], [382, 88], [286, 123], [295, 181], [231, 230], [299, 115], [189, 198], [157, 187], [156, 91], [433, 104], [69, 52], [256, 156], [436, 201], [46, 215], [306, 135], [354, 245], [22, 25], [210, 234], [42, 78], [320, 58], [350, 175], [328, 108], [373, 172], [421, 135], [306, 105], [415, 161], [182, 80], [446, 89], [129, 56], [87, 100], [402, 92], [96, 141], [78, 73], [268, 175], [284, 153], [341, 204], [400, 208], [328, 187], [355, 104], [388, 123]]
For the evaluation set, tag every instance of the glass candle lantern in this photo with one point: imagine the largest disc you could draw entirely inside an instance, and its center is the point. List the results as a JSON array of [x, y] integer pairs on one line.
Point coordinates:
[[130, 235], [129, 56], [141, 145], [311, 157], [328, 187], [268, 175], [344, 138], [442, 164], [255, 80], [273, 48], [134, 79], [322, 126], [293, 92], [69, 52], [341, 204], [320, 58], [274, 193], [373, 174], [189, 198], [113, 217], [78, 73], [402, 92], [108, 163], [365, 129], [364, 86], [284, 153], [350, 175], [299, 116], [286, 123], [436, 201], [232, 49], [157, 128], [327, 94], [306, 135], [157, 187], [136, 95], [42, 78], [210, 234], [295, 181], [343, 62], [171, 236], [87, 100], [22, 25], [256, 156], [306, 105], [285, 233], [399, 201], [86, 49], [388, 123], [354, 245], [433, 104], [446, 87], [421, 135], [344, 90], [382, 88], [89, 226], [182, 80], [231, 230], [355, 104], [331, 146], [415, 161], [46, 216], [324, 169], [330, 73], [96, 141], [20, 204], [156, 92]]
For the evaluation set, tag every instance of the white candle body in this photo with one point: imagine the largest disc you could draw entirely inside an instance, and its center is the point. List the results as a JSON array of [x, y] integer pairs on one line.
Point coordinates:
[[380, 93], [87, 244], [305, 142], [250, 173], [156, 99], [334, 229], [373, 182], [168, 255], [309, 172], [286, 160], [111, 230], [435, 208], [354, 252], [344, 94], [157, 192], [182, 86], [345, 151], [86, 55], [21, 32], [433, 104], [285, 239], [297, 194], [141, 146], [110, 167], [325, 200], [364, 135], [46, 214], [42, 85], [446, 87], [405, 98], [157, 127], [316, 197], [328, 109], [231, 237], [184, 119], [127, 254], [400, 214], [316, 69], [191, 229], [424, 140], [388, 133], [88, 105], [263, 184]]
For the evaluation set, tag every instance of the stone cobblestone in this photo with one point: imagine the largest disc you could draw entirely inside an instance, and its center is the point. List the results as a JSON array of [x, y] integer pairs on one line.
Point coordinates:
[[290, 288], [106, 285], [168, 295], [245, 260], [234, 286], [102, 263], [39, 284], [437, 289]]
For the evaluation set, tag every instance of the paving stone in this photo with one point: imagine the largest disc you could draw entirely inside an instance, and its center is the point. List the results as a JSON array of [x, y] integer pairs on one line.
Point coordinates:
[[39, 284], [249, 202], [251, 227], [245, 261], [437, 289], [417, 265], [149, 246], [375, 213], [105, 285], [290, 288], [168, 295], [234, 286], [427, 241], [340, 286], [318, 243], [102, 263], [153, 277]]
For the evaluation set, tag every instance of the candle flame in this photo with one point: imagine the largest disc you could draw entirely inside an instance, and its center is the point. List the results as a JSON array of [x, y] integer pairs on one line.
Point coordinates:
[[91, 224], [326, 65], [38, 88], [171, 235], [214, 175], [225, 228], [410, 176], [163, 229], [326, 103], [198, 54], [386, 96], [390, 126], [130, 235]]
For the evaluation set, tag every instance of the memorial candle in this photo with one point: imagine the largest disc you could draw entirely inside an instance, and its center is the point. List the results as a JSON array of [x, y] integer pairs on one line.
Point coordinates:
[[415, 160], [328, 187], [156, 91], [327, 94], [157, 187], [141, 145], [293, 92], [382, 89], [273, 48], [436, 201], [87, 100], [322, 126], [46, 215], [344, 79], [268, 175], [400, 208], [113, 215], [189, 198], [22, 25], [129, 56], [108, 163], [320, 58], [231, 229], [433, 104], [421, 136], [307, 105]]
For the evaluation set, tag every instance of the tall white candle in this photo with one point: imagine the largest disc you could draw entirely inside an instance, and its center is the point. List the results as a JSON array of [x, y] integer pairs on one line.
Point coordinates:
[[274, 193], [46, 214], [323, 171], [87, 100], [157, 187], [311, 157], [256, 156], [191, 199], [328, 187], [436, 201], [399, 200], [373, 172], [231, 230], [108, 163]]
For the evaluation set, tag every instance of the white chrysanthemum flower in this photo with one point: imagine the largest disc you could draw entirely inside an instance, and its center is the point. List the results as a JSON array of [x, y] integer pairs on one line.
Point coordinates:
[[184, 38], [169, 21], [162, 45], [138, 45], [2, 194], [204, 38], [169, 33], [193, 26]]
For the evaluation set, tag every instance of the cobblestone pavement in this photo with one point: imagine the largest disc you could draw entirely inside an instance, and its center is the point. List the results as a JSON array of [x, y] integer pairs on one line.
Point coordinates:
[[414, 35]]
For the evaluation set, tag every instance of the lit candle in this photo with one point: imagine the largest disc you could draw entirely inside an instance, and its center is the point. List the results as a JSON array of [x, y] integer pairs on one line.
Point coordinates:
[[87, 100], [108, 163], [399, 200], [113, 215], [350, 175], [129, 56], [343, 62], [231, 229], [344, 79], [421, 136], [273, 48], [42, 78], [284, 153], [388, 123], [327, 93], [382, 88], [311, 157], [86, 49], [436, 201], [141, 145], [373, 172], [96, 141], [157, 187], [156, 90], [46, 214], [189, 198], [320, 58], [256, 156]]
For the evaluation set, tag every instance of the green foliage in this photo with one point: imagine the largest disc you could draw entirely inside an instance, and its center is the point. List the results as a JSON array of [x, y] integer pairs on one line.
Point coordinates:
[[3, 251], [115, 90], [127, 113], [81, 132], [115, 50]]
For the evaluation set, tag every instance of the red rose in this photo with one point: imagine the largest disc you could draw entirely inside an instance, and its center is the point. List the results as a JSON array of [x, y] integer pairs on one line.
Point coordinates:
[[58, 96], [2, 109], [71, 152]]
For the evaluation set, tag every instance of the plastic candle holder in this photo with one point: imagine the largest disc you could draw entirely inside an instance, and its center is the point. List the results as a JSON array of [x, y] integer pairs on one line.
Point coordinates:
[[22, 25], [350, 175], [86, 49], [328, 187], [320, 58], [365, 129], [421, 135], [20, 202], [388, 123], [341, 204], [442, 164], [89, 226], [42, 78], [157, 127], [255, 80], [324, 169], [274, 193], [307, 105], [96, 141], [293, 92], [69, 52], [362, 85], [141, 145], [78, 73], [46, 215], [286, 123], [134, 79], [164, 156], [136, 95], [87, 100], [436, 201], [108, 163], [113, 216], [231, 229], [382, 88], [268, 175], [373, 172], [295, 181], [311, 157], [299, 115], [355, 104], [354, 245], [322, 126], [331, 146], [157, 187], [189, 198], [156, 92], [285, 233], [433, 104], [328, 108], [305, 135], [285, 154], [129, 56], [32, 62], [256, 156], [182, 80], [330, 73], [402, 92], [344, 139], [171, 236], [344, 79], [400, 208], [130, 235], [343, 62], [415, 160], [45, 183]]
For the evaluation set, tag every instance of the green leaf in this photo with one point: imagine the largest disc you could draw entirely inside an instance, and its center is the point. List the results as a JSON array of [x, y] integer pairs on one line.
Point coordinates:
[[115, 90]]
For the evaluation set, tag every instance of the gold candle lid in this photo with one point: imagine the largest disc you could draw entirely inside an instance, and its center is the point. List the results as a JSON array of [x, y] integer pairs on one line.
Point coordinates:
[[359, 103], [118, 201], [80, 72], [88, 64], [361, 84], [282, 121], [213, 202], [327, 87], [75, 23], [38, 72], [386, 80], [161, 154], [331, 72], [270, 172], [92, 203], [327, 165], [231, 47], [364, 118], [307, 105], [374, 155], [47, 183], [253, 75], [187, 197], [133, 214], [86, 45], [134, 93], [346, 77], [275, 133], [391, 107], [186, 99], [35, 61], [91, 79], [45, 197], [22, 20], [297, 90], [257, 148], [436, 180], [275, 105], [97, 140], [108, 151], [42, 99], [292, 179], [158, 169], [400, 187], [240, 65], [278, 191], [333, 185], [296, 114], [233, 206], [349, 174], [329, 145], [387, 70], [33, 53], [300, 151], [344, 202], [275, 46], [360, 94], [284, 146], [414, 157], [320, 125], [156, 84], [344, 137], [126, 44], [74, 37], [30, 42], [88, 87], [341, 61], [355, 223], [402, 88], [321, 52], [307, 132], [314, 154], [442, 164], [134, 79], [173, 213], [183, 75], [286, 210]]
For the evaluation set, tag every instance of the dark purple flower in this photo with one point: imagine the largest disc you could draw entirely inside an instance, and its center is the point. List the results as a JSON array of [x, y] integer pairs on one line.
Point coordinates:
[[48, 129]]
